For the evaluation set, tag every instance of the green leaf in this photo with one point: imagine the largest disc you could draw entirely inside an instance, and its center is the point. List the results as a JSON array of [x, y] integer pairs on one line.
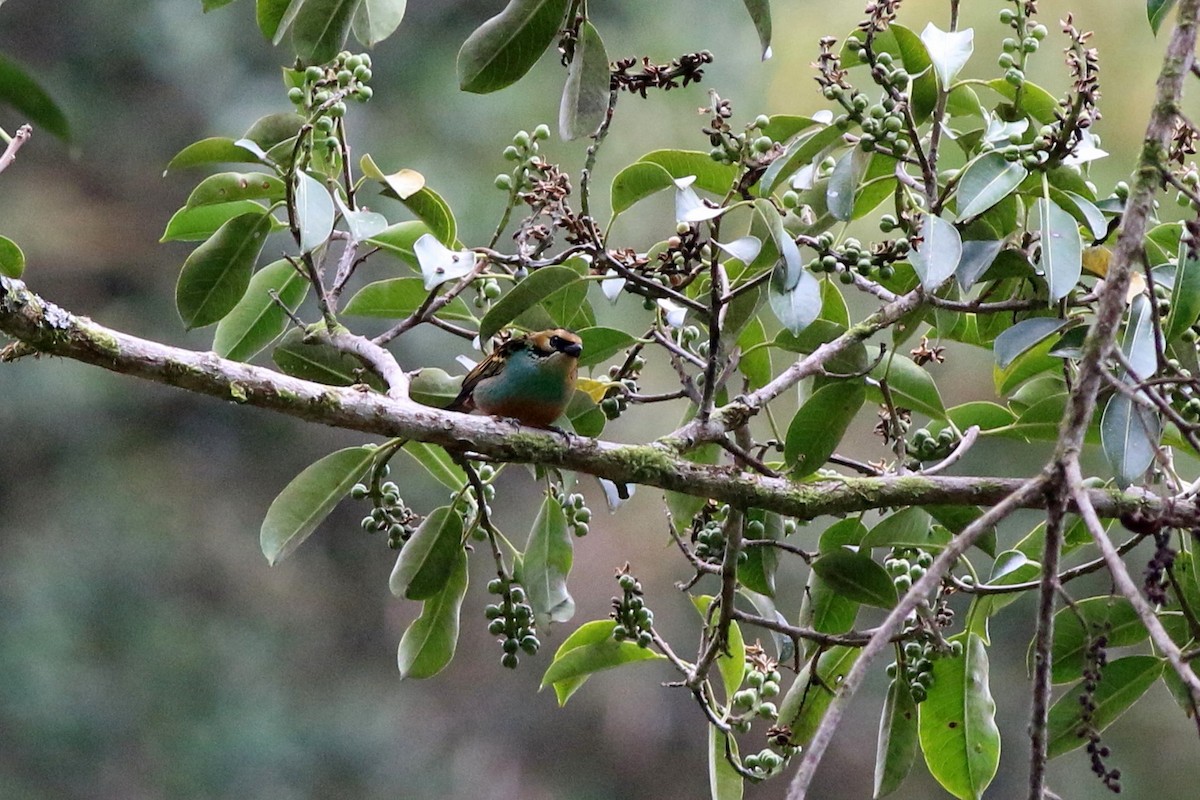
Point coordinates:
[[321, 363], [796, 307], [216, 274], [270, 13], [797, 155], [309, 498], [982, 413], [12, 260], [896, 748], [314, 212], [526, 294], [636, 182], [1138, 342], [210, 5], [847, 174], [820, 424], [1185, 296], [321, 28], [1075, 628], [1011, 567], [546, 564], [431, 209], [1034, 101], [198, 224], [376, 20], [396, 298], [1062, 249], [710, 176], [428, 558], [899, 41], [937, 257], [957, 722], [1121, 684], [214, 150], [229, 187], [429, 642], [1023, 336], [585, 416], [500, 51], [760, 15], [437, 462], [257, 319], [856, 576], [825, 609], [435, 387], [585, 94], [755, 365], [399, 239], [911, 387], [1156, 12], [601, 344], [22, 92], [724, 782], [1129, 434], [591, 648], [808, 697], [986, 181], [909, 527]]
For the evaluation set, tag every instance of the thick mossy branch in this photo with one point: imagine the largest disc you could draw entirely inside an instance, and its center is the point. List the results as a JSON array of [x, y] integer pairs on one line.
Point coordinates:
[[50, 330]]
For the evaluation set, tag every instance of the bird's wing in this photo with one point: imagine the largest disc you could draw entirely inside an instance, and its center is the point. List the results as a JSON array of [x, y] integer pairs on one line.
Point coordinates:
[[490, 367]]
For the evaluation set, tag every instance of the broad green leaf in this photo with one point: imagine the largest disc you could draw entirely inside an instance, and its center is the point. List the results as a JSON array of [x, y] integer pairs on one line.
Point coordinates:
[[269, 14], [428, 644], [314, 212], [799, 154], [376, 20], [948, 50], [760, 14], [636, 182], [986, 181], [977, 257], [437, 462], [937, 257], [820, 331], [1121, 684], [731, 663], [321, 363], [228, 187], [819, 425], [1074, 628], [535, 288], [1023, 336], [1031, 99], [216, 274], [274, 129], [500, 51], [321, 28], [546, 564], [1028, 365], [1062, 249], [585, 415], [1138, 342], [856, 576], [396, 298], [798, 306], [585, 94], [756, 571], [1129, 434], [724, 782], [601, 344], [833, 304], [847, 174], [957, 722], [214, 150], [809, 696], [399, 239], [1011, 567], [12, 260], [1084, 210], [896, 748], [1185, 296], [309, 498], [430, 208], [429, 556], [755, 364], [911, 387], [19, 90], [982, 413], [1156, 12], [909, 527], [782, 127], [435, 387], [199, 223], [257, 319], [825, 609], [956, 518], [589, 649], [710, 176]]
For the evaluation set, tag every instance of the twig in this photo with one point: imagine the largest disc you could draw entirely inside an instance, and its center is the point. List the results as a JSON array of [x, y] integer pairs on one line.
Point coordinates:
[[964, 444], [16, 143]]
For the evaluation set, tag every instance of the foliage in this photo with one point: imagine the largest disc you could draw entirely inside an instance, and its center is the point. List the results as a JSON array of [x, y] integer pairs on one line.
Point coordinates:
[[960, 206]]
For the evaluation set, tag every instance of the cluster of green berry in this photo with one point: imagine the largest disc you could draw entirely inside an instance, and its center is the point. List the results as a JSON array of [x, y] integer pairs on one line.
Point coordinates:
[[388, 512], [1183, 395], [751, 147], [624, 383], [634, 620], [708, 534], [512, 620], [1191, 179], [756, 700], [851, 257], [577, 513], [882, 123], [1026, 40], [469, 502], [924, 446], [524, 151], [321, 92]]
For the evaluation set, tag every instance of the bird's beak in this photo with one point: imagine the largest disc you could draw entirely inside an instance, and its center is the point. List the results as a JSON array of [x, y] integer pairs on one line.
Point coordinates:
[[573, 349]]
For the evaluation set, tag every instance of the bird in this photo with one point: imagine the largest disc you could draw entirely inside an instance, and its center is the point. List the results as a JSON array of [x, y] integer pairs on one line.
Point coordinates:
[[529, 377]]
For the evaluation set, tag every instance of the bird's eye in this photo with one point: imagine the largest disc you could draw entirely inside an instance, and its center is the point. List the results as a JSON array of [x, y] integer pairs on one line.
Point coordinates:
[[557, 342]]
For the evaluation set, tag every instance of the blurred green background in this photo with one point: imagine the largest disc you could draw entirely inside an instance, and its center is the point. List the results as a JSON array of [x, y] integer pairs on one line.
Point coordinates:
[[146, 649]]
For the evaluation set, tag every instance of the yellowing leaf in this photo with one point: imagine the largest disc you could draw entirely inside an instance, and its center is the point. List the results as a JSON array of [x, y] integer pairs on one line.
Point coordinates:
[[1095, 260], [593, 388]]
